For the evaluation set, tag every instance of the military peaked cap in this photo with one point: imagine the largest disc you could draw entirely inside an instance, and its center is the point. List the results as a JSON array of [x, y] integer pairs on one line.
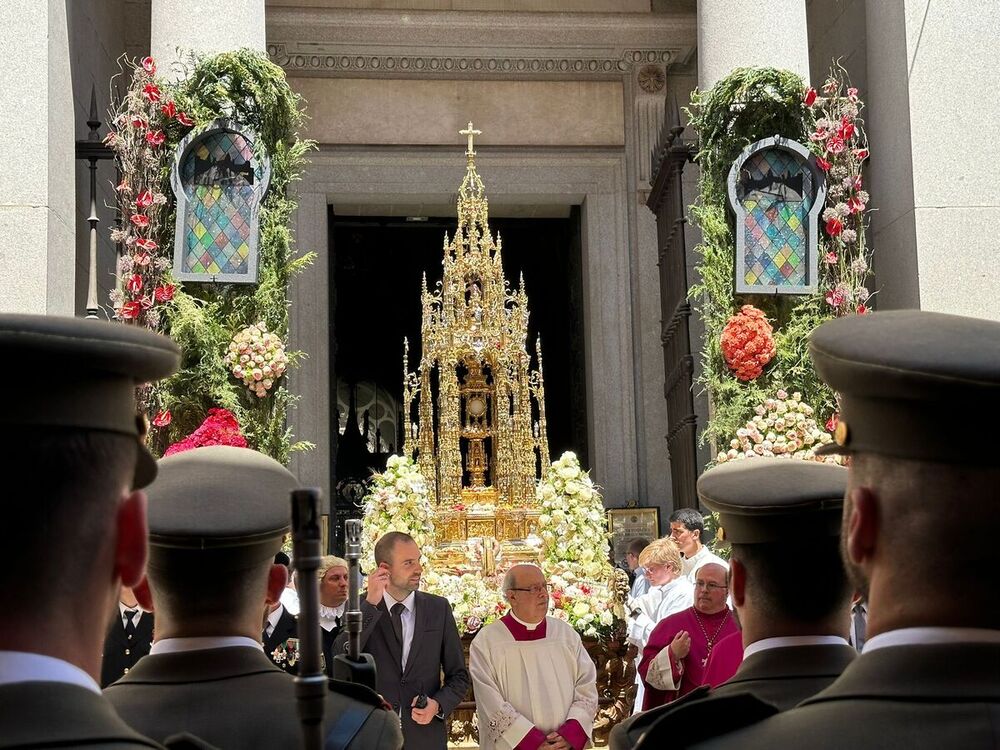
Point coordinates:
[[82, 374], [761, 500], [218, 508], [912, 384]]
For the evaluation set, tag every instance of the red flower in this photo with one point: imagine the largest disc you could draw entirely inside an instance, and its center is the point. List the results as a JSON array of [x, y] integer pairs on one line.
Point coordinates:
[[830, 86], [169, 109], [823, 164], [140, 220], [862, 310], [151, 92], [147, 302], [856, 205], [140, 259], [830, 258], [852, 94], [810, 97], [162, 418], [846, 130], [130, 310], [747, 343], [134, 284], [832, 422], [834, 226], [860, 154], [148, 65], [835, 298], [137, 122], [145, 199], [835, 145], [146, 244], [155, 137], [820, 135], [856, 185], [219, 428], [164, 293], [122, 187], [183, 119]]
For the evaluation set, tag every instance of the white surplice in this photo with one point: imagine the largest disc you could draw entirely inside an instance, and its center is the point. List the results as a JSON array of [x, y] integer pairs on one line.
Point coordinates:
[[526, 684]]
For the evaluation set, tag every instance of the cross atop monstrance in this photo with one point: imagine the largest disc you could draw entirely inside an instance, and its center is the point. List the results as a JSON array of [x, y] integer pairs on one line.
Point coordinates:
[[472, 133]]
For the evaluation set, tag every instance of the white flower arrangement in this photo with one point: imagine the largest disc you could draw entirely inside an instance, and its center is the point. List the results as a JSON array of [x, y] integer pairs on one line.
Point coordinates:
[[398, 500], [576, 549], [475, 601], [784, 427], [257, 358]]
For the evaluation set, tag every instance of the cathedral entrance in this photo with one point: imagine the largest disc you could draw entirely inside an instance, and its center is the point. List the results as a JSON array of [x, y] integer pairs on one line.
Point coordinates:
[[376, 265]]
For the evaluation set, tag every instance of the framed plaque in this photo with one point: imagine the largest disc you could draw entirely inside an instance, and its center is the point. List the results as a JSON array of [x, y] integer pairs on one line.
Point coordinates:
[[626, 524]]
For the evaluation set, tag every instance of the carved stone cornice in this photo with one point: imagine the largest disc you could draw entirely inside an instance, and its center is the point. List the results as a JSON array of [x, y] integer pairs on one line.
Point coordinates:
[[457, 44]]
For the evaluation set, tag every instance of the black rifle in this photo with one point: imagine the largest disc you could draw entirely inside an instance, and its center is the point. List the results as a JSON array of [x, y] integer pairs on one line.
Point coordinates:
[[311, 683], [354, 666]]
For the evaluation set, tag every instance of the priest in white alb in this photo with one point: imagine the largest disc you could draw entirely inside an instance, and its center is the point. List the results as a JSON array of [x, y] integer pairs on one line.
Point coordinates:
[[535, 683]]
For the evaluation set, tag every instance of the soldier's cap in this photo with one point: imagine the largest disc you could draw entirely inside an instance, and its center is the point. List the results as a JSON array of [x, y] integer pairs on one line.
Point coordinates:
[[79, 374], [913, 385], [764, 500], [218, 508]]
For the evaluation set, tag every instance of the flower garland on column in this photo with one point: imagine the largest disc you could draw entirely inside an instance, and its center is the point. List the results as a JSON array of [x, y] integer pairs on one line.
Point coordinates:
[[754, 345]]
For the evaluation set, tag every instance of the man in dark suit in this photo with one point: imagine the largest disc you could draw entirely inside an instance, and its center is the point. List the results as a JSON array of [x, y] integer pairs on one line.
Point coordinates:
[[413, 637], [73, 461], [789, 587], [921, 520], [217, 517], [128, 640], [280, 625]]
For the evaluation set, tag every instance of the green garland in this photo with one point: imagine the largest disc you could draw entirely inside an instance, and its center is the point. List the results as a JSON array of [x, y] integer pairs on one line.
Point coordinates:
[[246, 87], [748, 105]]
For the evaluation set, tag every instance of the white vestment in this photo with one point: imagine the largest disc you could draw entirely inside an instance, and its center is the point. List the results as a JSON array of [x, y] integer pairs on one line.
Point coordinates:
[[525, 684], [649, 609], [702, 557]]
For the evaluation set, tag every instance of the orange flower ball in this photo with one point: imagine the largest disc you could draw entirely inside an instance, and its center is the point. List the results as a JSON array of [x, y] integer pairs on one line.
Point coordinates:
[[747, 343]]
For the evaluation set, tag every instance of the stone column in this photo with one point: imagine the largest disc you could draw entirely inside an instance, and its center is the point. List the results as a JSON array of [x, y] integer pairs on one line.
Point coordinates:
[[207, 26], [931, 69], [37, 220], [751, 33]]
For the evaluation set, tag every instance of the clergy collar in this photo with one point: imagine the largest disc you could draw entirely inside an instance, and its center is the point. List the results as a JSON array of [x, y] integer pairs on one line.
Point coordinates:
[[524, 631], [177, 645], [408, 602]]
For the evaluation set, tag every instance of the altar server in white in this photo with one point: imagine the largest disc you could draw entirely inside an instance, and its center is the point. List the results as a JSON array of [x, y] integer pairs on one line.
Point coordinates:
[[535, 683]]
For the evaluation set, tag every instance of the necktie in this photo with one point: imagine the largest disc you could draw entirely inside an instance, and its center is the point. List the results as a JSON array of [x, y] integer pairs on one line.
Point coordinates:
[[129, 624], [860, 627], [397, 621]]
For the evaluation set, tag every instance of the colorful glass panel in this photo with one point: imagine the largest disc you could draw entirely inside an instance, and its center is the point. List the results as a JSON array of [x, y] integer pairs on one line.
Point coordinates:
[[775, 190], [221, 182]]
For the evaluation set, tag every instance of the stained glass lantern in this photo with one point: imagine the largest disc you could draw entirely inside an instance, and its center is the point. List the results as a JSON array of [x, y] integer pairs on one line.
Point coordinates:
[[776, 190], [219, 178]]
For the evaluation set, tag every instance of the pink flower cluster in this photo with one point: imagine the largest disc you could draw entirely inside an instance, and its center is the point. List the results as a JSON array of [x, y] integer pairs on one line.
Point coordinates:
[[219, 428]]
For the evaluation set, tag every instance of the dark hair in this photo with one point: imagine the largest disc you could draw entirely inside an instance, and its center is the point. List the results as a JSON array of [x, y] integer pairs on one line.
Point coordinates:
[[72, 480], [211, 596], [387, 542], [637, 545], [692, 520], [799, 581], [282, 559]]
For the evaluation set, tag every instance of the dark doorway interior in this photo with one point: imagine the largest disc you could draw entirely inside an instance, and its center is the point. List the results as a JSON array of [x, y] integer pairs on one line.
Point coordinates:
[[375, 297]]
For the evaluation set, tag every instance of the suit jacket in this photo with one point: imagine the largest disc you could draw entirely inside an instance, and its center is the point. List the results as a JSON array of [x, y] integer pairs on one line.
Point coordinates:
[[235, 698], [55, 714], [120, 653], [328, 638], [436, 649], [781, 677], [895, 698], [286, 627]]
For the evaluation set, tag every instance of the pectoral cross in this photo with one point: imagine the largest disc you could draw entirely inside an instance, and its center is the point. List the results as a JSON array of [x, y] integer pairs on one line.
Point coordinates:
[[472, 133]]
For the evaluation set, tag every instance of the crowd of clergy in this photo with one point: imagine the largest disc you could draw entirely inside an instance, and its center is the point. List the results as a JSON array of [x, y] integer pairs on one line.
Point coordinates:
[[853, 609]]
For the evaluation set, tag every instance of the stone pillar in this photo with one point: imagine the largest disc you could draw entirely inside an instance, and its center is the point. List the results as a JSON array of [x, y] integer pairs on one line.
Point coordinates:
[[37, 229], [207, 26], [934, 155], [751, 33]]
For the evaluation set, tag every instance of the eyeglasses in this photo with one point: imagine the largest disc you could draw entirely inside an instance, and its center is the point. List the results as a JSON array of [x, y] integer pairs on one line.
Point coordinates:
[[534, 589], [710, 586]]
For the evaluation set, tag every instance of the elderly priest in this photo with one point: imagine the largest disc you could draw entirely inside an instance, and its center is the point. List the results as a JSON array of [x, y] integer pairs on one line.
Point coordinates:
[[535, 684]]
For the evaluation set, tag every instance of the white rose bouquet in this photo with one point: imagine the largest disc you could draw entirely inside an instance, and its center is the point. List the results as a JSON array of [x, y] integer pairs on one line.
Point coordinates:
[[257, 358], [398, 500], [475, 601]]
